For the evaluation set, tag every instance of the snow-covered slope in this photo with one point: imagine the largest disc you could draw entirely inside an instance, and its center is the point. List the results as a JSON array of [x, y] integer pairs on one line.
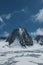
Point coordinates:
[[20, 49], [17, 55]]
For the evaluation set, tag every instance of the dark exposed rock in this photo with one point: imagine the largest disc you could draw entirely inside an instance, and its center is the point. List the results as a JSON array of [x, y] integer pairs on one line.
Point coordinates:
[[22, 35], [3, 38], [39, 38]]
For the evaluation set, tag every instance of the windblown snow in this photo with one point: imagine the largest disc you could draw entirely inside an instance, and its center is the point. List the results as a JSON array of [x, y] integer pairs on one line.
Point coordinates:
[[16, 55]]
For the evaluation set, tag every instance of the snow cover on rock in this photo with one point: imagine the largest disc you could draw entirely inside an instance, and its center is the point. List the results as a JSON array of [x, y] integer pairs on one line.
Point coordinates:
[[21, 31], [17, 55]]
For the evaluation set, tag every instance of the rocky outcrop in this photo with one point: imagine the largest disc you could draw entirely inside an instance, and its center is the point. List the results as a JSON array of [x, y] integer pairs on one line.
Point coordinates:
[[3, 38], [39, 39], [22, 35]]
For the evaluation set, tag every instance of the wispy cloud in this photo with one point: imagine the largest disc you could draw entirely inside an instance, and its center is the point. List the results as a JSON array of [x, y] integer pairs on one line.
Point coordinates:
[[23, 10], [6, 34], [39, 31], [1, 20], [3, 17], [41, 0], [39, 16], [8, 16]]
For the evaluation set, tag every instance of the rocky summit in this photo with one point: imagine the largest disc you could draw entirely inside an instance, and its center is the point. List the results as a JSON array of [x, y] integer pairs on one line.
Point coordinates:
[[22, 35]]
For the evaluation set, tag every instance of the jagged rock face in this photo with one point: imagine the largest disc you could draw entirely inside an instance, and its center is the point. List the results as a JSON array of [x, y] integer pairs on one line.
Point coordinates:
[[22, 35], [39, 38]]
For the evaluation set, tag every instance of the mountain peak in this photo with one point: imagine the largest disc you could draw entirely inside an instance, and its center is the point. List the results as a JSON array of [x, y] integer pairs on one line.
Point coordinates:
[[22, 35], [21, 30]]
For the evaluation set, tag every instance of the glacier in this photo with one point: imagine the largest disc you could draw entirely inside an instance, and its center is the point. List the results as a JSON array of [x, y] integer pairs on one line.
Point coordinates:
[[17, 55]]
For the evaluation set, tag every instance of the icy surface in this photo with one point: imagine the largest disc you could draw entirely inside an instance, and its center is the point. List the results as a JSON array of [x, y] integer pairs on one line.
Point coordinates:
[[16, 55]]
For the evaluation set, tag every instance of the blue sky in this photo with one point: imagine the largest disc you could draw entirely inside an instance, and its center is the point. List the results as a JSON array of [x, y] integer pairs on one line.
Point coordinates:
[[25, 13]]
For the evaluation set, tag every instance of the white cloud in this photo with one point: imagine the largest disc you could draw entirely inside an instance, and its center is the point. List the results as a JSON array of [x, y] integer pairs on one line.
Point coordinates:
[[39, 31], [39, 16], [1, 20]]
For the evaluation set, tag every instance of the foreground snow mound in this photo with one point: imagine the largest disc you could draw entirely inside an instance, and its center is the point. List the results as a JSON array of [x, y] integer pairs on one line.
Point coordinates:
[[17, 55]]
